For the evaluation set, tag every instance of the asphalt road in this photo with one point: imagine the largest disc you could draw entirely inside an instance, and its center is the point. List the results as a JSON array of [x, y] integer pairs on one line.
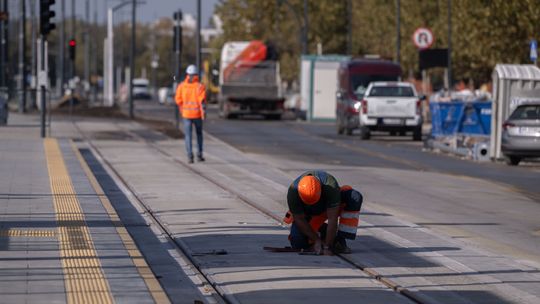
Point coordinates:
[[490, 203], [319, 142]]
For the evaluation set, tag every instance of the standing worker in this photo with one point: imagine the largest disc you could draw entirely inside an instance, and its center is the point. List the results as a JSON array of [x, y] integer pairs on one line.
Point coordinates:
[[191, 100], [314, 198]]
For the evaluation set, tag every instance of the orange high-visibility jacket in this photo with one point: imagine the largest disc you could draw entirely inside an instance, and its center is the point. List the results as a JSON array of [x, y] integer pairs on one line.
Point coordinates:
[[190, 98]]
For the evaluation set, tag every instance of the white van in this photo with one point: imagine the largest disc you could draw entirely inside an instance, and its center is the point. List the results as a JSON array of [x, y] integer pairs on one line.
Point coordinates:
[[141, 88]]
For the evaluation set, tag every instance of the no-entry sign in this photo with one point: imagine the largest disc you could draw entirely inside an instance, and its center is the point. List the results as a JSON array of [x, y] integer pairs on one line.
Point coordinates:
[[423, 38]]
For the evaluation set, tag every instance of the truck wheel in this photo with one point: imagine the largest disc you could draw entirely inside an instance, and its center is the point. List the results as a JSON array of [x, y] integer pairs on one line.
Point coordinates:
[[364, 133], [417, 134], [513, 160], [273, 117], [339, 127]]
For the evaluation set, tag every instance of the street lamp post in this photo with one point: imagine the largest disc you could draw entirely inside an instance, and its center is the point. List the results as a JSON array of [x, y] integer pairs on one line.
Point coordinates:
[[109, 51], [132, 59], [398, 31], [302, 25], [199, 36], [22, 57], [449, 45]]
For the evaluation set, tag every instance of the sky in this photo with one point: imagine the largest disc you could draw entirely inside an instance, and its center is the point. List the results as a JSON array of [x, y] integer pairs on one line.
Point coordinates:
[[152, 10]]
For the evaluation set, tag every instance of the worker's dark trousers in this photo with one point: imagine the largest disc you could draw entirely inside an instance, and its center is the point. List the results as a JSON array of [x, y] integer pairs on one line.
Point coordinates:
[[188, 123]]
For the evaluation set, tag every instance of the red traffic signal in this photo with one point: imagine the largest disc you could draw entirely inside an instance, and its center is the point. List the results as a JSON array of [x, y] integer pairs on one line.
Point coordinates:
[[72, 45]]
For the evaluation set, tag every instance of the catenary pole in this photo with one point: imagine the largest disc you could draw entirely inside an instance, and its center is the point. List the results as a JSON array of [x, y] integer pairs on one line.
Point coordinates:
[[22, 57], [398, 31], [199, 36], [132, 60]]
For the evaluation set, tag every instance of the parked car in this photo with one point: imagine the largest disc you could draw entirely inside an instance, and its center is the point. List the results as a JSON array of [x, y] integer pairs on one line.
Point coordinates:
[[141, 88], [521, 134], [354, 77], [392, 107]]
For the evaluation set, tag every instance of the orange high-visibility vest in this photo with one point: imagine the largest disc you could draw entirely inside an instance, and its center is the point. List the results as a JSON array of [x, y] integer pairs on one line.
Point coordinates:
[[190, 98]]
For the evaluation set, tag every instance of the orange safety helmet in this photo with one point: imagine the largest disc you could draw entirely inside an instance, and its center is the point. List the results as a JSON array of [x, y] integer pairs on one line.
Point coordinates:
[[309, 189]]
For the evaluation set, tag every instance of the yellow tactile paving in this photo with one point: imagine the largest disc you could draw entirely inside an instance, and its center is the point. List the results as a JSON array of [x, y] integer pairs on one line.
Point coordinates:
[[27, 233], [144, 270], [84, 279]]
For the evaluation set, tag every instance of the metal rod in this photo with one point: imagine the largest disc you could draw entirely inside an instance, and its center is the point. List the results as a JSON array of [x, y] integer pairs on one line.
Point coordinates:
[[177, 60], [398, 31], [199, 36], [132, 59], [3, 45], [449, 45], [349, 27], [61, 51], [22, 57], [33, 94], [87, 48], [306, 29], [73, 33], [43, 101]]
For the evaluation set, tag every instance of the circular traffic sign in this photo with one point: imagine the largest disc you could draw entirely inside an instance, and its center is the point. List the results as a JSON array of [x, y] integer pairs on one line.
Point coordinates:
[[423, 38]]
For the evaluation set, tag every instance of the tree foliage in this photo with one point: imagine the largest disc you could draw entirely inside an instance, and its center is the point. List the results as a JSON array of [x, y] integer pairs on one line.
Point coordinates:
[[484, 32]]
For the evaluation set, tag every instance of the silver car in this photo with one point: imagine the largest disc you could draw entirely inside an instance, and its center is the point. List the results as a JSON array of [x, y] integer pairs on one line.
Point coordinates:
[[521, 134]]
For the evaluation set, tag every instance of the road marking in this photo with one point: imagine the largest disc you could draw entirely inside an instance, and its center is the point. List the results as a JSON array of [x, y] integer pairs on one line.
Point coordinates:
[[83, 276], [404, 162], [27, 233], [144, 270]]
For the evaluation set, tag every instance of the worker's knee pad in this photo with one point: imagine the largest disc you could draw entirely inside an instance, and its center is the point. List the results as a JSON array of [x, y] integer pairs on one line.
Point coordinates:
[[352, 199]]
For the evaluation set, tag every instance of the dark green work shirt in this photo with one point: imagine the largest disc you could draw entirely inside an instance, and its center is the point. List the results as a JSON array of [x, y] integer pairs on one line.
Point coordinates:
[[330, 195]]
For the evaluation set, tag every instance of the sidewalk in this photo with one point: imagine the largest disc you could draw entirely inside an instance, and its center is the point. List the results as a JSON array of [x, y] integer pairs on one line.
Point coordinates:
[[60, 239]]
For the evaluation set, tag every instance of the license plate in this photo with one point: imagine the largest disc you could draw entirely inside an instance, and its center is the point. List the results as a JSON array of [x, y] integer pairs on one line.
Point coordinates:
[[532, 131], [392, 121]]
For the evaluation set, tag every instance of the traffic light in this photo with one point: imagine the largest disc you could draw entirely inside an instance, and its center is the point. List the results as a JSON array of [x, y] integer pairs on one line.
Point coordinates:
[[177, 37], [45, 16], [72, 45]]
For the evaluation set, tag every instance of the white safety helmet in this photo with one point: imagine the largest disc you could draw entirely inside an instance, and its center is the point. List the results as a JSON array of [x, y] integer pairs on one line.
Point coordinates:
[[192, 70]]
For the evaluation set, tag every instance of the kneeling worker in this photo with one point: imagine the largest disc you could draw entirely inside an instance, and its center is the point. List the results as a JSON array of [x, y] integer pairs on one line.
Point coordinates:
[[313, 198]]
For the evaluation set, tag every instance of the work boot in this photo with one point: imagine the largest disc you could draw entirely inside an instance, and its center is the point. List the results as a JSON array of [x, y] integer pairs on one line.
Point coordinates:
[[200, 158], [340, 246]]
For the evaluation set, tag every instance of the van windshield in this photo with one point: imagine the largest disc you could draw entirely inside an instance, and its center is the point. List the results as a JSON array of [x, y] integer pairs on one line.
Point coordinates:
[[391, 91], [360, 82]]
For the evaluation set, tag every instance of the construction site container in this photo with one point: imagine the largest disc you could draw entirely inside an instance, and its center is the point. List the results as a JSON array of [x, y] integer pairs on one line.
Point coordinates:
[[318, 86]]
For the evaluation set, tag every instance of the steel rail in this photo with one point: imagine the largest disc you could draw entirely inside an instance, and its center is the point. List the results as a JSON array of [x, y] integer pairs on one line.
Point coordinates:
[[371, 272]]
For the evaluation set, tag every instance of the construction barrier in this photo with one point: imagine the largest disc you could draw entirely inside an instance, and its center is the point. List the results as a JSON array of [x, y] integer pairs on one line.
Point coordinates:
[[458, 117]]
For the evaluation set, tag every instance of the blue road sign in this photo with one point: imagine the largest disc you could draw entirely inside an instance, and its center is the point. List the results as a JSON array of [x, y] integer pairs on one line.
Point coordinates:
[[534, 52]]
